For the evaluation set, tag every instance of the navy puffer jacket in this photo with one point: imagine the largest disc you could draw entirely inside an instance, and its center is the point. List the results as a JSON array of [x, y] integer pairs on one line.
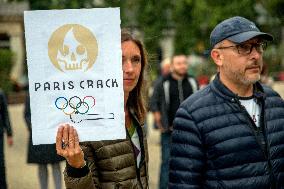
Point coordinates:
[[214, 145]]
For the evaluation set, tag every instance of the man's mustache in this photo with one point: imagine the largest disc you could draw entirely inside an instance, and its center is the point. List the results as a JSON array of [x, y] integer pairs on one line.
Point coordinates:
[[255, 64]]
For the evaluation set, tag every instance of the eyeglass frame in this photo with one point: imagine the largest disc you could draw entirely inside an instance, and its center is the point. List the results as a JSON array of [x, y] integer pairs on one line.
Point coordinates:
[[262, 44]]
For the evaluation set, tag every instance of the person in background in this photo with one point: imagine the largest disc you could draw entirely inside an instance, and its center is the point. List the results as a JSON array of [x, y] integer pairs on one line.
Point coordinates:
[[113, 163], [169, 94], [42, 155], [5, 126], [231, 133], [166, 67], [165, 71], [264, 76]]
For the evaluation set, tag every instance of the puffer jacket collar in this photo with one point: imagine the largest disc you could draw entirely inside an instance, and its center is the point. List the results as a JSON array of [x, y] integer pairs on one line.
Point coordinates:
[[221, 90]]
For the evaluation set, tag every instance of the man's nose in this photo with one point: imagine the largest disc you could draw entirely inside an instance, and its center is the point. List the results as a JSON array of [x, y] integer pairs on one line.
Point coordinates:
[[255, 53]]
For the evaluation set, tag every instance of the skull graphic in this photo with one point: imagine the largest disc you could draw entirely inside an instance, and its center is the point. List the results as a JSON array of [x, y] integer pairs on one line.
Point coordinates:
[[73, 55]]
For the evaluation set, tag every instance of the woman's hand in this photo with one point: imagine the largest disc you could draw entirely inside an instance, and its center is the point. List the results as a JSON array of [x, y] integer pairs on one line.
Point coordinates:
[[67, 145]]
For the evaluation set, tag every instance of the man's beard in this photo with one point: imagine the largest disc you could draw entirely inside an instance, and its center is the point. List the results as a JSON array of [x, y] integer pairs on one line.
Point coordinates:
[[240, 77]]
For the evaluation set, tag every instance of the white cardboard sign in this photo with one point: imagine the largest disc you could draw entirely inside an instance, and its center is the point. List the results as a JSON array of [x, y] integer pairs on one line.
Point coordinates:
[[75, 73]]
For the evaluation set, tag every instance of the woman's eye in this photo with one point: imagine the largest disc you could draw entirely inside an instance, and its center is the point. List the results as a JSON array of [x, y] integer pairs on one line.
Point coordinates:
[[136, 59]]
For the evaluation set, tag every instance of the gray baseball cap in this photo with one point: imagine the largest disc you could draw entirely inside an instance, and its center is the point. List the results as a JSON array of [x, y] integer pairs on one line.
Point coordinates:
[[236, 29]]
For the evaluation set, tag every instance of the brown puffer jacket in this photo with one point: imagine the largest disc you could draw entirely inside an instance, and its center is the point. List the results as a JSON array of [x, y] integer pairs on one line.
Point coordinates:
[[112, 165]]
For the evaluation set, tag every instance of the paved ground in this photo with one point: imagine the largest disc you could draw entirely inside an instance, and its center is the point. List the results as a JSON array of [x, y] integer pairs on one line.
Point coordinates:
[[24, 176]]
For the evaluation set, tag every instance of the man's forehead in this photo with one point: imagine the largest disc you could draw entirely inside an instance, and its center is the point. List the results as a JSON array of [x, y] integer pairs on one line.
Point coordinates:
[[179, 58]]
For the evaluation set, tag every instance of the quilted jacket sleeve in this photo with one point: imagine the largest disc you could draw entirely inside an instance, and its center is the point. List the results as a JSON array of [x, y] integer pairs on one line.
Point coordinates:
[[85, 178], [187, 153]]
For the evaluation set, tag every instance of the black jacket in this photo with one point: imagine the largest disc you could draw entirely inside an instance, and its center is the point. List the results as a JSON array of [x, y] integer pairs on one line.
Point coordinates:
[[4, 115], [214, 144], [160, 100]]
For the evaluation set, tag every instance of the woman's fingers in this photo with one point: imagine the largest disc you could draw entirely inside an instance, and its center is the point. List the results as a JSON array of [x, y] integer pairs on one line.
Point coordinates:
[[59, 140], [67, 145], [65, 140], [76, 137], [71, 138]]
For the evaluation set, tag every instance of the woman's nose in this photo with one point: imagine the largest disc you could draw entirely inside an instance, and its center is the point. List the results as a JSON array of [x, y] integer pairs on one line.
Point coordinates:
[[127, 66]]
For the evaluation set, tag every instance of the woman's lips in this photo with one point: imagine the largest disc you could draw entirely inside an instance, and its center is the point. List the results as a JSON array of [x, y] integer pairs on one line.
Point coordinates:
[[128, 80]]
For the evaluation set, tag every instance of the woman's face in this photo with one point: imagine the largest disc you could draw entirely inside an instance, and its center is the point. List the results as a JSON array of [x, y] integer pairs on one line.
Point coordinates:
[[131, 65]]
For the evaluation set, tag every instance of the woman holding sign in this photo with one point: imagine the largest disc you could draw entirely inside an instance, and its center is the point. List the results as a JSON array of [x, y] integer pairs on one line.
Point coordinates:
[[117, 163]]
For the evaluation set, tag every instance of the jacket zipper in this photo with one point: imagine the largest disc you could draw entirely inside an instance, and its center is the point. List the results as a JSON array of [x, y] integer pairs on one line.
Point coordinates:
[[253, 126], [255, 129], [267, 148]]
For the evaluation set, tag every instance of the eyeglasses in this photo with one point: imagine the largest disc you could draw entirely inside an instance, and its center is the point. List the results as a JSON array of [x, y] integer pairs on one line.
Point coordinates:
[[246, 48]]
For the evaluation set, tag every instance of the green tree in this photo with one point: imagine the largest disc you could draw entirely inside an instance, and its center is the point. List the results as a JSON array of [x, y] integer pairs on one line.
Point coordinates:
[[192, 20], [275, 8], [196, 19]]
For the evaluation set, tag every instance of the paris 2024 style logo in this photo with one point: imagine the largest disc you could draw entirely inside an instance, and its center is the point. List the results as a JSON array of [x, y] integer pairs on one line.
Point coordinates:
[[72, 48]]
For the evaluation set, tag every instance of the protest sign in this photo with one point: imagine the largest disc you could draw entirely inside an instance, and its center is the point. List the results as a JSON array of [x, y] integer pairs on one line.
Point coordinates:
[[75, 73]]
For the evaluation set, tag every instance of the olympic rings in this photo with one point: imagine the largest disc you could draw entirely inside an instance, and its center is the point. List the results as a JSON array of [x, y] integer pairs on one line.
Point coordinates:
[[79, 105], [76, 105], [72, 112], [90, 97], [64, 105], [71, 105]]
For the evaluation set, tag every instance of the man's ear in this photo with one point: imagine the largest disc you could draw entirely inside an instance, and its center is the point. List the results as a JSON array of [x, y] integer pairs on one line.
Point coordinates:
[[217, 57]]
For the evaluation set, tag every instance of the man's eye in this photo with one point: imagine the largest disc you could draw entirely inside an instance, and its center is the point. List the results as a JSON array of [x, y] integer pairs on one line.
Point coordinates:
[[246, 46]]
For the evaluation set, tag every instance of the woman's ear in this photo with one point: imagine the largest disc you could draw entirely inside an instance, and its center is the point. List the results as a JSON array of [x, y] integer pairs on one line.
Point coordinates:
[[217, 57]]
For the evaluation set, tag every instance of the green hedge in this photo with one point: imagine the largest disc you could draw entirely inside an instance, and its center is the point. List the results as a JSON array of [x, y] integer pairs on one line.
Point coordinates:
[[5, 70]]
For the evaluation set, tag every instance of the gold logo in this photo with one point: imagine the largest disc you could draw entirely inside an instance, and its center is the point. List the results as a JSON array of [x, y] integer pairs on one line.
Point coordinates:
[[72, 47]]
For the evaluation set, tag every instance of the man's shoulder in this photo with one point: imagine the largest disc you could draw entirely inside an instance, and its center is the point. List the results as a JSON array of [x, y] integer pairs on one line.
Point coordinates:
[[273, 99], [199, 99], [269, 92]]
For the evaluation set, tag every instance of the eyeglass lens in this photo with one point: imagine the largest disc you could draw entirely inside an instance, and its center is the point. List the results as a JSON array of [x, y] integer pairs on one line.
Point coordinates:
[[246, 48]]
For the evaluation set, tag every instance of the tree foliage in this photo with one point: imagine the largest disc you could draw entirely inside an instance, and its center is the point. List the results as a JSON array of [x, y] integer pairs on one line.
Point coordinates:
[[196, 19], [192, 20]]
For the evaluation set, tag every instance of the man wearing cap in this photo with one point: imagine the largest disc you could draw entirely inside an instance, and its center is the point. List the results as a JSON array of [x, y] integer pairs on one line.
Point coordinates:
[[230, 135]]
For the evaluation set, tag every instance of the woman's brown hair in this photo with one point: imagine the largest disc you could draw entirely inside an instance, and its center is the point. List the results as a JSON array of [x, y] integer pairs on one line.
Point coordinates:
[[136, 99]]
